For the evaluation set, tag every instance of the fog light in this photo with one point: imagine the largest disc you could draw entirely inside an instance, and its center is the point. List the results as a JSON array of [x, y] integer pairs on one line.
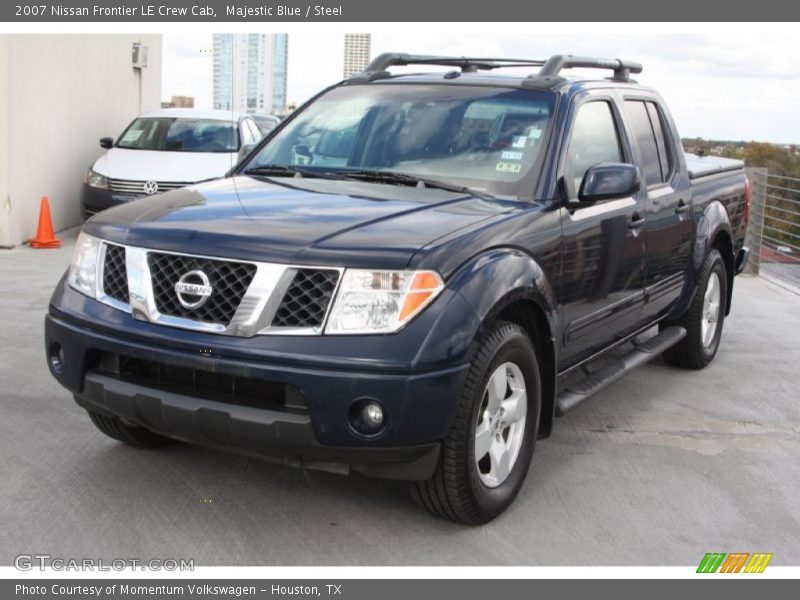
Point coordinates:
[[367, 416], [56, 359], [372, 416]]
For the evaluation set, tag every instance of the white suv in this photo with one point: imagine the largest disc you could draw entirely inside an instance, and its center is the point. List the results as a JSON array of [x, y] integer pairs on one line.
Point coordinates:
[[167, 149]]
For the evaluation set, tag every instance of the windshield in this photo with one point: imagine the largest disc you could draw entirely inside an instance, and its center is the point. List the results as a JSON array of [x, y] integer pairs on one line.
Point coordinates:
[[486, 138], [180, 135]]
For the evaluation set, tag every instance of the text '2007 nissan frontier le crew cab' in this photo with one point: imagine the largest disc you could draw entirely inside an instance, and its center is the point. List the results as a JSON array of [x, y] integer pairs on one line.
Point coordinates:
[[406, 277]]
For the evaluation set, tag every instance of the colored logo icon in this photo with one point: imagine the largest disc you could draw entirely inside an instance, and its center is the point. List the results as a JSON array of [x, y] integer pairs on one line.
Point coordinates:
[[736, 562]]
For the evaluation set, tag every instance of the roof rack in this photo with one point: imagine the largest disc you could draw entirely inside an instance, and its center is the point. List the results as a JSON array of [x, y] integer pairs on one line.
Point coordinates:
[[376, 69], [549, 68], [622, 68]]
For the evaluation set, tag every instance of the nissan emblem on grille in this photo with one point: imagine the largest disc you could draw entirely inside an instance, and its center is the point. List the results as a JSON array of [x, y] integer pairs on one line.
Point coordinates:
[[193, 289], [150, 187]]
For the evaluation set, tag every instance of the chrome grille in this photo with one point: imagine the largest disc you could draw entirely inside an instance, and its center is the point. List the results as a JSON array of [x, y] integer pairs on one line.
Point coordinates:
[[307, 298], [136, 188], [115, 277], [229, 281], [241, 298]]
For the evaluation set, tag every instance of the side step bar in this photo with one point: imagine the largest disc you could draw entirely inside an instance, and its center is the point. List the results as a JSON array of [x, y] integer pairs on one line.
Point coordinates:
[[594, 382]]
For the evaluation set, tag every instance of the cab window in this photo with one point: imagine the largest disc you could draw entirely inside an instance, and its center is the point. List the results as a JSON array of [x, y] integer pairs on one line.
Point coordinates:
[[595, 140], [648, 132]]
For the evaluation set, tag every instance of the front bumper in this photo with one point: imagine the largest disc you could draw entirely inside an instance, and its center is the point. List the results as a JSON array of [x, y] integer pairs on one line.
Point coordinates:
[[95, 200], [419, 403]]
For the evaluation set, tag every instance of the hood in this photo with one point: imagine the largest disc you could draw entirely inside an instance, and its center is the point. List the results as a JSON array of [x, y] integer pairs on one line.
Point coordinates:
[[144, 165], [295, 220]]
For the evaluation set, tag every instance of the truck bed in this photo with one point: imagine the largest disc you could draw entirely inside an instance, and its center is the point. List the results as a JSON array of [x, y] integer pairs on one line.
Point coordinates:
[[702, 166]]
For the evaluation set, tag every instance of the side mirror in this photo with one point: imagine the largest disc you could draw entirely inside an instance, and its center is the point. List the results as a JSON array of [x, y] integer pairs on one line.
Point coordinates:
[[244, 151], [609, 181], [106, 142]]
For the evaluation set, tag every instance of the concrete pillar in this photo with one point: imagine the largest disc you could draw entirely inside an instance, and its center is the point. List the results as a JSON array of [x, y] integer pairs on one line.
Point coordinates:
[[755, 230]]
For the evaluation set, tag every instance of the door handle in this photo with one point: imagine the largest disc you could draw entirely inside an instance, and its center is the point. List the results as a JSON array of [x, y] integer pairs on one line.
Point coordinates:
[[636, 221], [682, 207]]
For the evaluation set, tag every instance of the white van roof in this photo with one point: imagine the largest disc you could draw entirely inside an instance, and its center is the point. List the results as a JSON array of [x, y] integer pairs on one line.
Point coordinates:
[[194, 113]]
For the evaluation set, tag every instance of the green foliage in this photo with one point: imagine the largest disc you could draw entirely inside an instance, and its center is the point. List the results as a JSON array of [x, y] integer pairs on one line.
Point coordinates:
[[781, 211]]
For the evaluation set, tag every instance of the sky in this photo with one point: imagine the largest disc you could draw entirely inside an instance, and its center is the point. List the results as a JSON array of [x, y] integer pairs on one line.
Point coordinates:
[[717, 85]]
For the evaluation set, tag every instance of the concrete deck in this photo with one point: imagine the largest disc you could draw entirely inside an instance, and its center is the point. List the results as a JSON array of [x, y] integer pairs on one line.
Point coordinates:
[[658, 469]]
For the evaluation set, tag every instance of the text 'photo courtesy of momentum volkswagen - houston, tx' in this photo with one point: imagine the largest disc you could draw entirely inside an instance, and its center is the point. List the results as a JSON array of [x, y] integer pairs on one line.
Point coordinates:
[[408, 276]]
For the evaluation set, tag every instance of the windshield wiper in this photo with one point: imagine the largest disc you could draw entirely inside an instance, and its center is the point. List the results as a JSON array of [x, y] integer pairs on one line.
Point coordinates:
[[391, 177], [290, 171]]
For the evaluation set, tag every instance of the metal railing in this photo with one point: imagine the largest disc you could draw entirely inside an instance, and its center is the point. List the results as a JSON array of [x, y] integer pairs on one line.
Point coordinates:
[[774, 231]]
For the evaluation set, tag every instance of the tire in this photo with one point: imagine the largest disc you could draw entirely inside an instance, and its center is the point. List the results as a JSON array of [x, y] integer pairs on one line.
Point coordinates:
[[133, 436], [699, 347], [463, 488]]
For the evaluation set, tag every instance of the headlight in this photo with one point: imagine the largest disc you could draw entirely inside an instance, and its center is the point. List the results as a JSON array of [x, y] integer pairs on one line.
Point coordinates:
[[83, 270], [95, 180], [381, 301]]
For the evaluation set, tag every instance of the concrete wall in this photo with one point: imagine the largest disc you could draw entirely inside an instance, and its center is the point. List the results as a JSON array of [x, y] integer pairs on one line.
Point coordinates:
[[5, 204], [62, 93]]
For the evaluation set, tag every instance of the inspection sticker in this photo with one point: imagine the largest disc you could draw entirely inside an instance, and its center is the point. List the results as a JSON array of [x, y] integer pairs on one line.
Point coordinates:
[[519, 141], [131, 136], [506, 167], [535, 134], [508, 155]]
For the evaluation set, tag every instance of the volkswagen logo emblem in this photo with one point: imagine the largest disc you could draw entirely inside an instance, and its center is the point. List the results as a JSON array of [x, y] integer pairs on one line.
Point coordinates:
[[193, 289], [150, 187]]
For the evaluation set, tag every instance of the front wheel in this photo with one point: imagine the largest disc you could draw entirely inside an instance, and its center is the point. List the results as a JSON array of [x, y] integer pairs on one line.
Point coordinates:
[[704, 318], [485, 456]]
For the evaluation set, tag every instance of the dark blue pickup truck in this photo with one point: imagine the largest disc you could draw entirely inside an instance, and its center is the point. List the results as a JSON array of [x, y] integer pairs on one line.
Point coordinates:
[[410, 277]]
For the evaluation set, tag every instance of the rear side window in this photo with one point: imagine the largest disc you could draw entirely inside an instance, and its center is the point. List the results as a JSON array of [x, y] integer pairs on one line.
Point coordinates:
[[661, 139], [649, 135], [594, 140]]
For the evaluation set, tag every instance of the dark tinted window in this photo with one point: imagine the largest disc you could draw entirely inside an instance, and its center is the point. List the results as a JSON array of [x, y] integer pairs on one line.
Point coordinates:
[[661, 139], [649, 134], [180, 135], [594, 140]]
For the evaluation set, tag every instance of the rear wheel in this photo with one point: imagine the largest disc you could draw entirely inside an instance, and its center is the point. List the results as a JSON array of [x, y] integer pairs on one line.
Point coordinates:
[[704, 318], [133, 436], [486, 455]]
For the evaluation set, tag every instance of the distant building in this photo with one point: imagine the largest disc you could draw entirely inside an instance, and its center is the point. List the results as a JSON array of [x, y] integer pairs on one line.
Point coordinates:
[[357, 47], [250, 72], [179, 102]]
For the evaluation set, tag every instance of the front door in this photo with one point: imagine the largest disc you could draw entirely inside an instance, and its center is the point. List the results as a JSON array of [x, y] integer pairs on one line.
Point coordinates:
[[603, 249]]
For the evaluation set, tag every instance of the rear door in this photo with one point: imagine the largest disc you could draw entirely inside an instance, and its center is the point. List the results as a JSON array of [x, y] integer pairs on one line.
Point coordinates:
[[668, 227]]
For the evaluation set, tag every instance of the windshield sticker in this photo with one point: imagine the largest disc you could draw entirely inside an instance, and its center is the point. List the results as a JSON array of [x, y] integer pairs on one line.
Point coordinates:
[[535, 134], [132, 135], [519, 141], [505, 167], [508, 155]]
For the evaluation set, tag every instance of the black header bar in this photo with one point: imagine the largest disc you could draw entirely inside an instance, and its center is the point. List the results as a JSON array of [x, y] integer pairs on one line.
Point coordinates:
[[286, 11]]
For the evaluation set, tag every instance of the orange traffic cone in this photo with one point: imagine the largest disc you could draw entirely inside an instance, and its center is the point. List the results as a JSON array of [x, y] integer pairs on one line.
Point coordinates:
[[45, 238]]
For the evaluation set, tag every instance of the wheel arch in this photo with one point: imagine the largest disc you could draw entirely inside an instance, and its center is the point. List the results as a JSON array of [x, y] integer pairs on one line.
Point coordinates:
[[723, 243], [713, 231], [508, 284]]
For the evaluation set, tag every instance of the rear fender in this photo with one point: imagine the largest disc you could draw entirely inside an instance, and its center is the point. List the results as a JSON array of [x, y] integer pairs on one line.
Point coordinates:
[[710, 224]]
